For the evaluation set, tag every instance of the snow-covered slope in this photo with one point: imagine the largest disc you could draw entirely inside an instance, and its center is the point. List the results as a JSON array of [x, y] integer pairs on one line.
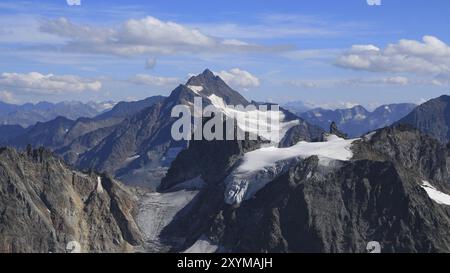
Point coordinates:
[[261, 166], [270, 125]]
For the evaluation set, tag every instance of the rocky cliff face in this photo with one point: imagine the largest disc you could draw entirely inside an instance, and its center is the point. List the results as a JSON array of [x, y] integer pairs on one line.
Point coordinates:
[[378, 195], [47, 207], [432, 118]]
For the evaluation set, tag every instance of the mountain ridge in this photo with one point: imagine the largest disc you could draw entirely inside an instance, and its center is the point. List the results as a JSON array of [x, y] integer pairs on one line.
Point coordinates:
[[357, 120]]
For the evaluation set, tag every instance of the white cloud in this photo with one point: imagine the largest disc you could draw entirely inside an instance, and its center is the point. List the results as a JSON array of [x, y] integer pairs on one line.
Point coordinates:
[[280, 26], [396, 80], [238, 78], [148, 35], [7, 97], [429, 57], [145, 79], [329, 83], [37, 83], [336, 105]]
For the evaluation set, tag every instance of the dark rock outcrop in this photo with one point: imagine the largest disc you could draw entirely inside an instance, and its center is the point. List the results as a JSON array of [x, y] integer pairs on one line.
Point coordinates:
[[301, 132], [335, 131]]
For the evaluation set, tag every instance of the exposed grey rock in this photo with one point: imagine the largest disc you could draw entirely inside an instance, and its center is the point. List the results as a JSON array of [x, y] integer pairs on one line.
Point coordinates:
[[44, 205]]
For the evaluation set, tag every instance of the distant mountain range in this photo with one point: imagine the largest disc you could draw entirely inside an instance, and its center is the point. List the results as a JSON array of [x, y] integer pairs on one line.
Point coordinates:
[[298, 107], [72, 137], [357, 120], [29, 114]]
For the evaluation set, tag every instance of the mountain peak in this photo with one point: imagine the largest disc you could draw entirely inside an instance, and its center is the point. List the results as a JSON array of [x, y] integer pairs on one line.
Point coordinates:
[[208, 73], [212, 84], [205, 78]]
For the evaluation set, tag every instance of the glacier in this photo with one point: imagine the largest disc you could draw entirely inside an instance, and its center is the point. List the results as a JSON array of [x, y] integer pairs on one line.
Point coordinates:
[[259, 167]]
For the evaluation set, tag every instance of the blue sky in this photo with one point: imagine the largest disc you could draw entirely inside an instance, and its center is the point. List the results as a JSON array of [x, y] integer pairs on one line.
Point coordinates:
[[327, 53]]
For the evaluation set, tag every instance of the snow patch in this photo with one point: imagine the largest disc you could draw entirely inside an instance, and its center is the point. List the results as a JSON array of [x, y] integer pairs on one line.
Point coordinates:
[[261, 166], [369, 136], [196, 88], [131, 158], [437, 196], [202, 245], [269, 125], [360, 117], [99, 185]]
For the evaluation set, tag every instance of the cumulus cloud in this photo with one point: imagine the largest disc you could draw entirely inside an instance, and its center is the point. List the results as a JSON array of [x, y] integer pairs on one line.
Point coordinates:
[[147, 35], [145, 79], [38, 83], [238, 78], [329, 83], [429, 57]]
